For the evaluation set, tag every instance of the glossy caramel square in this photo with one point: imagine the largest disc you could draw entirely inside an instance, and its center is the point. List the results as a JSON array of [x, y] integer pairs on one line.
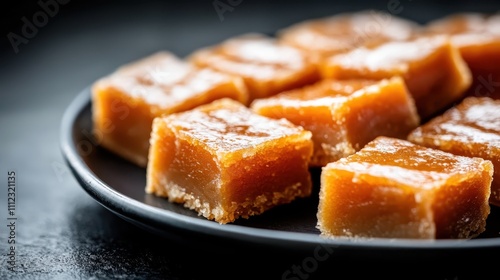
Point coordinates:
[[471, 128], [344, 115], [226, 162], [393, 188], [432, 67], [477, 36], [125, 102], [327, 36], [266, 66]]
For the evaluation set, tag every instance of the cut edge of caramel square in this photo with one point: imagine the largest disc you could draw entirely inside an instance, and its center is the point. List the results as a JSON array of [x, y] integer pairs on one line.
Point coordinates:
[[125, 102], [344, 115], [436, 80], [222, 182], [455, 131], [371, 195], [234, 56]]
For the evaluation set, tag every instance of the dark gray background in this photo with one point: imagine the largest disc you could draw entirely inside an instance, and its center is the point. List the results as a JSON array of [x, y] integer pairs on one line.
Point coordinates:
[[64, 234]]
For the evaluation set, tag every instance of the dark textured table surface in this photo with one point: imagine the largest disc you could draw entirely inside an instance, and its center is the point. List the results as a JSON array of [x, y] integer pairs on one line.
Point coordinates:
[[60, 231]]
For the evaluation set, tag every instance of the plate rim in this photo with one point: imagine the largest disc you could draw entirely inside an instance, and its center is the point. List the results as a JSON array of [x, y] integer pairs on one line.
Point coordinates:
[[138, 212]]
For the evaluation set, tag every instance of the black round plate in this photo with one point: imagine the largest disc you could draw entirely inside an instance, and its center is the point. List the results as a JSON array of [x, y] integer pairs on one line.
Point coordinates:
[[119, 186]]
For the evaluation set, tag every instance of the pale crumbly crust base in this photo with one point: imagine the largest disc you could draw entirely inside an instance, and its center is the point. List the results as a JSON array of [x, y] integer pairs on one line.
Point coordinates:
[[227, 214]]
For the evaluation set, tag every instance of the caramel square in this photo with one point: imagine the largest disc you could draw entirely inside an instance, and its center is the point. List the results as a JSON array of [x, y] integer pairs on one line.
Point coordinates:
[[125, 102], [393, 188], [327, 36], [266, 66], [226, 162], [477, 36], [344, 115], [471, 128], [432, 67]]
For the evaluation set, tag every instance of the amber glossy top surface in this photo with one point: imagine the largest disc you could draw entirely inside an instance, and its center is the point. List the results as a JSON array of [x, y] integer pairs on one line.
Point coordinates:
[[345, 31], [467, 28], [253, 55], [406, 163], [465, 22], [475, 119], [226, 125], [324, 93], [164, 80], [395, 56]]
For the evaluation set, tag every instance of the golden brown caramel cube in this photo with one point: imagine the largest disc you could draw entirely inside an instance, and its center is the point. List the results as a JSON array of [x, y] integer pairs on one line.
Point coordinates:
[[393, 188], [472, 128], [433, 70], [125, 103], [477, 36], [345, 115], [323, 37], [226, 162], [266, 67]]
